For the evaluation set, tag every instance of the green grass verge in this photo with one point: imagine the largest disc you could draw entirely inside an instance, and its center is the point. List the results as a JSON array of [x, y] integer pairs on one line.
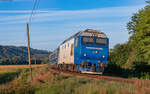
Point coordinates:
[[72, 85], [60, 84]]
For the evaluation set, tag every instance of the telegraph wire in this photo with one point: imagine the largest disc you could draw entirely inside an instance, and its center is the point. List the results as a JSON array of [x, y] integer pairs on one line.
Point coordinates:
[[35, 7], [33, 11]]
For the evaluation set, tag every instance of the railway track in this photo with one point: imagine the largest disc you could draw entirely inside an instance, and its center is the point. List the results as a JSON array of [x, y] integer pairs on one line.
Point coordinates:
[[107, 78]]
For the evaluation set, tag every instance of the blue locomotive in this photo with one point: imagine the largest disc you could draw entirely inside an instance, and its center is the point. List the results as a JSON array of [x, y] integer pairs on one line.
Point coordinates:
[[86, 51]]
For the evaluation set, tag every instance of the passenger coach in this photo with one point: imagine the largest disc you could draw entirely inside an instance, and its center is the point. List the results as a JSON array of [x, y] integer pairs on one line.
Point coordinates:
[[86, 51]]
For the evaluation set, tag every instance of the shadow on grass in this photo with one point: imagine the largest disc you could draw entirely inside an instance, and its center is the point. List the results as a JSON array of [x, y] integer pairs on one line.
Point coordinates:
[[8, 76], [140, 71]]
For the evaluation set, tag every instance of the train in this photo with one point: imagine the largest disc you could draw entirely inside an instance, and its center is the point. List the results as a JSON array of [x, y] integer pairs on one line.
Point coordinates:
[[86, 52]]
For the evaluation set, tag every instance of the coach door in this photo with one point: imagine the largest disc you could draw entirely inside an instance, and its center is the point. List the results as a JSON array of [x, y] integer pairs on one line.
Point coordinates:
[[72, 50]]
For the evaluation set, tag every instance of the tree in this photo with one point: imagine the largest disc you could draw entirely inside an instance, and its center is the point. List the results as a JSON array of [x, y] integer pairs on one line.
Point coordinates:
[[139, 28], [16, 59], [120, 54]]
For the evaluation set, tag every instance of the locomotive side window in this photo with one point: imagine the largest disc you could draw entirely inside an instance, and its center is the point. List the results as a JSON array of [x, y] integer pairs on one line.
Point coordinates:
[[101, 41], [88, 40]]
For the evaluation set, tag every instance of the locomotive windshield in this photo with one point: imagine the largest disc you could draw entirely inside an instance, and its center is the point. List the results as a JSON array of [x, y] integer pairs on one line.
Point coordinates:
[[101, 41], [94, 41], [88, 40]]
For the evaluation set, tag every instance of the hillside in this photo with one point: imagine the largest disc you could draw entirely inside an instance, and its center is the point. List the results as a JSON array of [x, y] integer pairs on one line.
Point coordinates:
[[14, 52]]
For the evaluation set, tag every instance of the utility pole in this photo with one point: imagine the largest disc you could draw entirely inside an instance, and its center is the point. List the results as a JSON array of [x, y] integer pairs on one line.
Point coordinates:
[[29, 55]]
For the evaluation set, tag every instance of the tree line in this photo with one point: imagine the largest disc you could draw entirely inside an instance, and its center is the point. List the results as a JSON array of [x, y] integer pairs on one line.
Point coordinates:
[[132, 59], [16, 60]]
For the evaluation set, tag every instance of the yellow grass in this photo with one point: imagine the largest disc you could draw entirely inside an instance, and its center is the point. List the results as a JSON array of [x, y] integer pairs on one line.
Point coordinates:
[[13, 68], [21, 66]]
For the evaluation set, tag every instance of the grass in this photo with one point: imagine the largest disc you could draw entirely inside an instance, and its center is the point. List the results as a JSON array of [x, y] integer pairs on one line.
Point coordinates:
[[47, 82], [17, 86], [61, 84], [8, 76], [15, 80], [73, 85], [9, 72]]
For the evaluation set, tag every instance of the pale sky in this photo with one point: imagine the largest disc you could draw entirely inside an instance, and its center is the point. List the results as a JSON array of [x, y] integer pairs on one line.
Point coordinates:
[[57, 20]]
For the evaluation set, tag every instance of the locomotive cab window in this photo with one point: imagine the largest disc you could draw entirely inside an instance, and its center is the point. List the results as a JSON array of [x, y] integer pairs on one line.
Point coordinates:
[[101, 41], [87, 40]]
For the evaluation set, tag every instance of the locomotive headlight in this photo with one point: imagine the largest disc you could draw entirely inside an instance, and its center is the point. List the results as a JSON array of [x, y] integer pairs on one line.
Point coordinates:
[[84, 54], [103, 56]]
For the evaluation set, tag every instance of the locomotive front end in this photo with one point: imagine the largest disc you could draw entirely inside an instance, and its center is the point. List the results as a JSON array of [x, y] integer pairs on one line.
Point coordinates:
[[91, 52]]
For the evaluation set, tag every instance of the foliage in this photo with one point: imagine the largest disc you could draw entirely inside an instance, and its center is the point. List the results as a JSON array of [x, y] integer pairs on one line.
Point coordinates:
[[120, 54], [139, 28], [132, 59]]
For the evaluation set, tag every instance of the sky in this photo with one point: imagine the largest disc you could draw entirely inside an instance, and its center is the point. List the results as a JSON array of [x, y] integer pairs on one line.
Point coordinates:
[[56, 20]]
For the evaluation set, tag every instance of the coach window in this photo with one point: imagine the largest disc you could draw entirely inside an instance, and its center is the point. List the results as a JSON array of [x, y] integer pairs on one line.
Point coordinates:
[[68, 45]]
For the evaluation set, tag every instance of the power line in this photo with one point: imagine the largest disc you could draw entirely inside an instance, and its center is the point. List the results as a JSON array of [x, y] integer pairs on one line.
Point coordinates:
[[35, 6]]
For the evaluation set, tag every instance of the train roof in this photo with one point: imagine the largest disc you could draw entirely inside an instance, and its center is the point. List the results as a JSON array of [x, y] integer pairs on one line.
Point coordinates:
[[88, 32]]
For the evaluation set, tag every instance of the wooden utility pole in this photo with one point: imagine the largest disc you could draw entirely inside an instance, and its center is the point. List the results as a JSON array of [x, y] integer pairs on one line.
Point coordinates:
[[29, 55]]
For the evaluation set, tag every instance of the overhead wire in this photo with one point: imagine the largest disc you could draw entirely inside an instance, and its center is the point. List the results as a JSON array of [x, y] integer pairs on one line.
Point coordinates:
[[35, 7], [33, 12]]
